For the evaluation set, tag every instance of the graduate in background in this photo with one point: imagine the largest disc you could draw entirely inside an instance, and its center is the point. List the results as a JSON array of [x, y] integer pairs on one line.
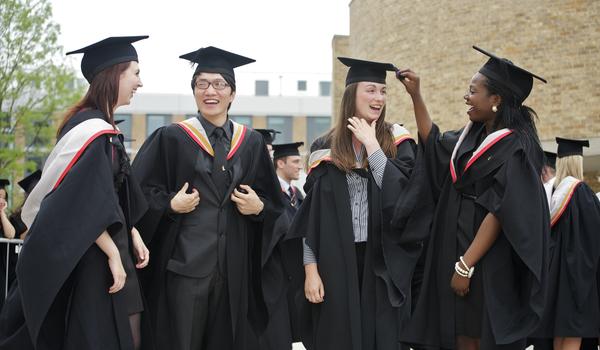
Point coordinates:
[[20, 230], [77, 286], [572, 311], [283, 328], [485, 270], [358, 269], [7, 230], [27, 184], [212, 190], [269, 135], [549, 174]]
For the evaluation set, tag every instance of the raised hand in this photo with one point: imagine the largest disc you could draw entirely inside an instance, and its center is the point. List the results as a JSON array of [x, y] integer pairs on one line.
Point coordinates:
[[410, 80]]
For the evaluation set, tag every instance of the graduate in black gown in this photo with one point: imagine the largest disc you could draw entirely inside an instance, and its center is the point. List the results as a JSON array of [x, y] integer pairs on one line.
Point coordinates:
[[27, 184], [486, 266], [572, 311], [77, 286], [358, 268], [269, 135], [16, 230], [7, 229], [285, 261], [212, 190], [549, 173]]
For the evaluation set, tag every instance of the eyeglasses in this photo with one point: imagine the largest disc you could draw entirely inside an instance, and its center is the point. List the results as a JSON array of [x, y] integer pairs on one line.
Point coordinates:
[[218, 84]]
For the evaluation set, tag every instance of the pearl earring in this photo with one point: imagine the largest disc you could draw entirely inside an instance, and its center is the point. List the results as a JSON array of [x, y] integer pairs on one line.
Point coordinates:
[[494, 109]]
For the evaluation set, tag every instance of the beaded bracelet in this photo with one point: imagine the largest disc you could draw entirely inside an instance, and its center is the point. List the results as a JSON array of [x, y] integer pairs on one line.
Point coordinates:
[[460, 271], [468, 272]]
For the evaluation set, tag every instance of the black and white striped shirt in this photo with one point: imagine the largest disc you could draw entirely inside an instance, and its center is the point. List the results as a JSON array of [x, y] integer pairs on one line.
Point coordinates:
[[359, 201]]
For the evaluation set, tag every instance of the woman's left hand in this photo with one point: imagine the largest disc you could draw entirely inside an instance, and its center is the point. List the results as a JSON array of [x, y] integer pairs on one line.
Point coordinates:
[[363, 131], [460, 285], [142, 254]]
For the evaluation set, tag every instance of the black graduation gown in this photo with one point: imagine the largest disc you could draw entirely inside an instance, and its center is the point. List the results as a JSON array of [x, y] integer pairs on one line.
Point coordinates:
[[168, 159], [283, 264], [507, 291], [573, 309], [348, 318], [63, 276]]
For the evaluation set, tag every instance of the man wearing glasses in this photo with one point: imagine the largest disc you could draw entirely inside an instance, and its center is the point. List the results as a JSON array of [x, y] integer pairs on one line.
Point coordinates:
[[213, 194]]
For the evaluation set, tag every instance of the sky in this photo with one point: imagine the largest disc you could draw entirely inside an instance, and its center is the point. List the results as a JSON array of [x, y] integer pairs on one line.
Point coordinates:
[[291, 39]]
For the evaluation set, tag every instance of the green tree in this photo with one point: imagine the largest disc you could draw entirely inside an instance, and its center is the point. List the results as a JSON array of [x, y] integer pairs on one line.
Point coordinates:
[[36, 85]]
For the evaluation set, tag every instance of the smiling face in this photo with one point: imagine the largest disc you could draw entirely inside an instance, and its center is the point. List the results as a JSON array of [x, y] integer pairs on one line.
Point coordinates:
[[129, 82], [370, 100], [480, 100], [212, 103]]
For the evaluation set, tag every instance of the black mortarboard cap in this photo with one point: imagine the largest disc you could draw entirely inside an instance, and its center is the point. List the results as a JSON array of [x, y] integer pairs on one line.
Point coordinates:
[[286, 149], [4, 183], [570, 147], [361, 70], [268, 134], [29, 182], [550, 159], [214, 60], [106, 53], [514, 78]]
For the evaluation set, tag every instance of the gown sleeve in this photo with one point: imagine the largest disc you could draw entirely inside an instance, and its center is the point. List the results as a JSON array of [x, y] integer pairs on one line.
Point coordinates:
[[70, 219], [153, 167], [526, 228], [437, 151], [582, 242]]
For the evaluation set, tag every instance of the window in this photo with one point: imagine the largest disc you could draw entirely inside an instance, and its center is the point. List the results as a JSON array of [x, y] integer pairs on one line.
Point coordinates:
[[282, 124], [324, 88], [301, 85], [242, 119], [155, 121], [315, 127], [261, 88], [123, 122]]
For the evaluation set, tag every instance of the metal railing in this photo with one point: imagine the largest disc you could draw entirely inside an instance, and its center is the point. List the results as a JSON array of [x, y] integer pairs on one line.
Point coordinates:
[[17, 243]]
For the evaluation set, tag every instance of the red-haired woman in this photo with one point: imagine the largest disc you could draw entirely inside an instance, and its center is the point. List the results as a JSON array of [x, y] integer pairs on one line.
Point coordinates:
[[77, 285]]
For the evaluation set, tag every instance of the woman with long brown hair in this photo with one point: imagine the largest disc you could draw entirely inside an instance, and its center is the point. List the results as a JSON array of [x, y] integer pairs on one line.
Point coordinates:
[[358, 268], [77, 285]]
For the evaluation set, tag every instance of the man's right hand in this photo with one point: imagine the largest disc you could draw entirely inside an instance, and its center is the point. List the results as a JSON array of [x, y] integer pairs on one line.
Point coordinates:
[[185, 202]]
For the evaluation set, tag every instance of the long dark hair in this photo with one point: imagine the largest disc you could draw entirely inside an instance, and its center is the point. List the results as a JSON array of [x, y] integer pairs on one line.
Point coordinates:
[[342, 152], [102, 94], [514, 115]]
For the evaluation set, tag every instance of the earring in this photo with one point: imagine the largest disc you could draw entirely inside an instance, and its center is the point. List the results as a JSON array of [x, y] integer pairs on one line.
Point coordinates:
[[494, 109]]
